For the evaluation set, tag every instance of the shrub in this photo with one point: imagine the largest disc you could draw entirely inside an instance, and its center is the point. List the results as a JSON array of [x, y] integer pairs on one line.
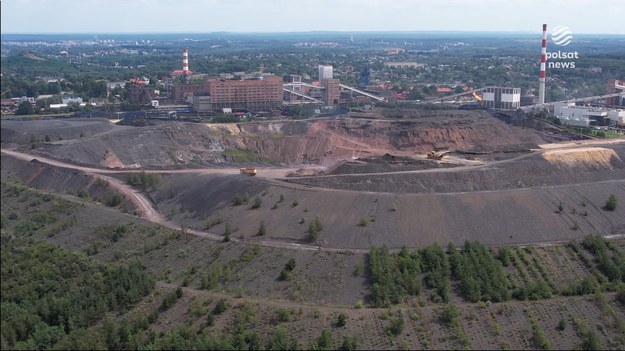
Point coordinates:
[[114, 201], [227, 232], [620, 295], [261, 229], [341, 321], [363, 222], [396, 326], [221, 306], [610, 205], [450, 314], [540, 341], [314, 228], [285, 274], [257, 203], [349, 343], [290, 265]]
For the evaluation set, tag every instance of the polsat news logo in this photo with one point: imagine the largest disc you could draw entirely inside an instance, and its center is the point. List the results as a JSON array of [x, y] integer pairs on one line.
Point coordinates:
[[561, 36]]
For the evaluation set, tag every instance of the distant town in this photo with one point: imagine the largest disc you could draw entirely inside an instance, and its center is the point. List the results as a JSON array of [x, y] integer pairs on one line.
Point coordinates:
[[200, 77]]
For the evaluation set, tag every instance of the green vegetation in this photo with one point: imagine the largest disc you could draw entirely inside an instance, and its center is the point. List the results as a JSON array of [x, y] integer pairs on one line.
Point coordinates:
[[262, 230], [341, 320], [285, 274], [363, 222], [257, 203], [481, 276], [611, 203], [396, 325], [50, 295], [171, 299], [145, 180], [227, 232], [213, 222], [450, 314], [241, 199], [538, 338], [244, 156], [314, 228], [324, 342], [393, 275]]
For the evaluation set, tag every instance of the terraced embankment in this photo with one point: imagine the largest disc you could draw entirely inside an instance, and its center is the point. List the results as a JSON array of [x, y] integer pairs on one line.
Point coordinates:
[[320, 141]]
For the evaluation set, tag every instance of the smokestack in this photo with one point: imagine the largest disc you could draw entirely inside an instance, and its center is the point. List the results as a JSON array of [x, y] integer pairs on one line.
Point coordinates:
[[185, 62], [543, 67]]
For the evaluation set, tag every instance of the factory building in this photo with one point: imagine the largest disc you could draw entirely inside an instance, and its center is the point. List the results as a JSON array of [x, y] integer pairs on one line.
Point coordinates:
[[331, 92], [584, 116], [217, 93], [502, 98]]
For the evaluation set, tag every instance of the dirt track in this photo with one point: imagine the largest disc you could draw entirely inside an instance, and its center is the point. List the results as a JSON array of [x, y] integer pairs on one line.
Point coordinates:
[[324, 203]]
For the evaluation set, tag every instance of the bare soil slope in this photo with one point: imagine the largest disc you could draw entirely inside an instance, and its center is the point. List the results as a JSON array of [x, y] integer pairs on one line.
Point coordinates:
[[321, 141]]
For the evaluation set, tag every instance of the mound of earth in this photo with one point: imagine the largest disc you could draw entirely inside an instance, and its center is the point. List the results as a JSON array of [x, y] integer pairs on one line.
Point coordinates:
[[361, 219], [15, 132], [385, 163], [322, 142], [554, 167]]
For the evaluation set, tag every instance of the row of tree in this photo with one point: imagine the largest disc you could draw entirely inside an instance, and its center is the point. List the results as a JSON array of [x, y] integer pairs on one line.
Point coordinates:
[[480, 275]]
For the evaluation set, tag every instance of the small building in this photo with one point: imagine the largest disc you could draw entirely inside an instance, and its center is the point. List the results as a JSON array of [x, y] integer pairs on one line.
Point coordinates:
[[504, 98], [72, 99], [584, 116], [403, 64]]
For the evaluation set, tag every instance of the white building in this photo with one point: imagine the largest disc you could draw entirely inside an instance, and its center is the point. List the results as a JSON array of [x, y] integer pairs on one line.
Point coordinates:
[[583, 116], [70, 99], [502, 97], [325, 72]]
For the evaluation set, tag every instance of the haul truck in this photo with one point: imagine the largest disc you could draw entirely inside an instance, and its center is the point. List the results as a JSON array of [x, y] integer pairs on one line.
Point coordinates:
[[248, 171]]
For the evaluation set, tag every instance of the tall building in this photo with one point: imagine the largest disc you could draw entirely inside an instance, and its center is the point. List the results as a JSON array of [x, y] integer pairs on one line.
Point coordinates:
[[616, 86], [216, 93], [325, 72], [331, 92], [502, 97]]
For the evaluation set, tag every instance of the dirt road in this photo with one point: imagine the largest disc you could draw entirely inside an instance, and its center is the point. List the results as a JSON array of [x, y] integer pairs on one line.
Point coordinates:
[[149, 211]]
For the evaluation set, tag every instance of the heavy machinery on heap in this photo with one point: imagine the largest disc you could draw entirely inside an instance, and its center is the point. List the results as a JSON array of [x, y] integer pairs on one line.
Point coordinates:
[[433, 155], [248, 171]]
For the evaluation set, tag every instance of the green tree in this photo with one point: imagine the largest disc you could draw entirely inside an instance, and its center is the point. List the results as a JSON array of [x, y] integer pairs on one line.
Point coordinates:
[[610, 205], [261, 229], [25, 108], [341, 321]]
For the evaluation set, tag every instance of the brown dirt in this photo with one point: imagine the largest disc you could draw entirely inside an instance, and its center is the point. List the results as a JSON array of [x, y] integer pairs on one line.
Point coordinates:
[[322, 142]]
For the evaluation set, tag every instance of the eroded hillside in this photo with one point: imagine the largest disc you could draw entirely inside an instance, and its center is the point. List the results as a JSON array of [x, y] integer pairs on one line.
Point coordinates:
[[321, 141]]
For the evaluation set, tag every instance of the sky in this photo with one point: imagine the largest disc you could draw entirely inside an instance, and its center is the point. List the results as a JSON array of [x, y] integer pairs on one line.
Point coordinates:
[[205, 16]]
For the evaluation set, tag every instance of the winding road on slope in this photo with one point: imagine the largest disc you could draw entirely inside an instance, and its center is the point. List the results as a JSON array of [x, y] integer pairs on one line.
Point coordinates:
[[149, 211]]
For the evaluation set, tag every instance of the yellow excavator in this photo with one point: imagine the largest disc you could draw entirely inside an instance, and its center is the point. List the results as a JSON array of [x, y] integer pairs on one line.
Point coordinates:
[[433, 155]]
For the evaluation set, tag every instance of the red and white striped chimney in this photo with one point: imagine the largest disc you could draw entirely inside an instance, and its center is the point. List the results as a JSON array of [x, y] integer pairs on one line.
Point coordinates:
[[543, 67], [185, 61]]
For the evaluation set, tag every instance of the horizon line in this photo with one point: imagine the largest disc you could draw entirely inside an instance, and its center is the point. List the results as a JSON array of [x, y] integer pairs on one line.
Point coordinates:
[[303, 32]]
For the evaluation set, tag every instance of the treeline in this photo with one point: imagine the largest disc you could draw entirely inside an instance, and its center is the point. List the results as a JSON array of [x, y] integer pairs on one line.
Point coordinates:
[[479, 275], [51, 295], [395, 276], [144, 179]]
